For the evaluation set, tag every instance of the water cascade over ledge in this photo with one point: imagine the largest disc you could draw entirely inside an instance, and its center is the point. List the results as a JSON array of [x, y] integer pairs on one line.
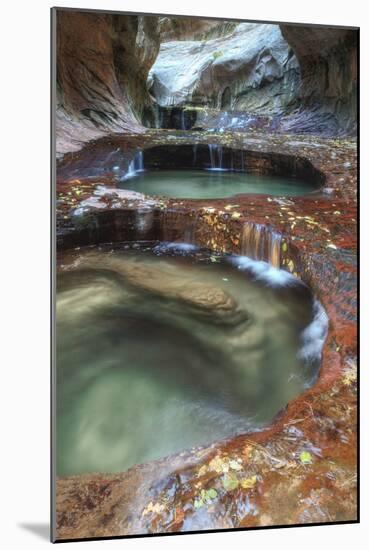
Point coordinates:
[[216, 157], [259, 242], [136, 166]]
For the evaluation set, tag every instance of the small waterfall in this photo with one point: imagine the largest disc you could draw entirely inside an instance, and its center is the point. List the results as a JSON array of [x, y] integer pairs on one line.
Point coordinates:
[[258, 242], [135, 166], [252, 241], [178, 227], [157, 117], [139, 162], [169, 224], [194, 156], [144, 222], [190, 228], [183, 121], [275, 240], [216, 157]]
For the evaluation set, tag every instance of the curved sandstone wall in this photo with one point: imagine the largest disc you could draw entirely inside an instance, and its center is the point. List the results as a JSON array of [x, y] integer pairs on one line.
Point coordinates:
[[110, 76], [328, 63], [102, 66]]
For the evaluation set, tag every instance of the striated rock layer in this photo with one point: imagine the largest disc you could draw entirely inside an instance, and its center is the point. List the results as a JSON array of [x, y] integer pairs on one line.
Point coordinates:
[[328, 62], [250, 69], [102, 65], [302, 468], [303, 77], [296, 79]]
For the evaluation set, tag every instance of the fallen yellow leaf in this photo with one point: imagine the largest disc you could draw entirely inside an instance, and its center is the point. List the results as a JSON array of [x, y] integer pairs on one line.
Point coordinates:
[[249, 482]]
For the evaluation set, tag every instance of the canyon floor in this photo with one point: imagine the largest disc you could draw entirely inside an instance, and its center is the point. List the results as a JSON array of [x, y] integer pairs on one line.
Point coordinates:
[[302, 468]]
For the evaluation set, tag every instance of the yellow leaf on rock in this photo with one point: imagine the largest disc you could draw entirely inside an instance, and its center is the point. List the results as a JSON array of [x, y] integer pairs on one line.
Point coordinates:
[[209, 209], [202, 470], [247, 451], [153, 508], [249, 482], [230, 482], [218, 465], [234, 465]]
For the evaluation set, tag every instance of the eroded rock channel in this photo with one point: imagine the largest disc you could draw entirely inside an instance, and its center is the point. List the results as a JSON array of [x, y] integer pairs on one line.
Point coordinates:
[[212, 325], [206, 234]]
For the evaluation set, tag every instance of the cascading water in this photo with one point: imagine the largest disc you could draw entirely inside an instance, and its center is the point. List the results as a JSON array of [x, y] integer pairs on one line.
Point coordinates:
[[183, 121], [275, 249], [160, 118], [216, 160], [144, 221], [261, 243], [139, 161], [216, 157], [135, 166], [194, 156]]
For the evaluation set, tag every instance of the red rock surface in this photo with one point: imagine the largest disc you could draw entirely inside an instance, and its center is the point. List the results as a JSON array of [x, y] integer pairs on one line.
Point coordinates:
[[302, 468]]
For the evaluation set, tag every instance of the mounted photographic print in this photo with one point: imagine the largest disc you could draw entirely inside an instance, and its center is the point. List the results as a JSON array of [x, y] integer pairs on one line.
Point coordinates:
[[204, 252]]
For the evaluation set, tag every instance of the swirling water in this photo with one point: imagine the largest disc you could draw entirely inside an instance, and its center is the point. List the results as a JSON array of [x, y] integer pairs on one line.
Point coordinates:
[[162, 348]]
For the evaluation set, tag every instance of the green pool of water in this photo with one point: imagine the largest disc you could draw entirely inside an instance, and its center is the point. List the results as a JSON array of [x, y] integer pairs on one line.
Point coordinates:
[[159, 352], [212, 184]]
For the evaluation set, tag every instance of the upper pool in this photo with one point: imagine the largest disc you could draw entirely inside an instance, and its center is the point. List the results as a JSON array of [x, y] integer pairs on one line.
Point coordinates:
[[213, 184]]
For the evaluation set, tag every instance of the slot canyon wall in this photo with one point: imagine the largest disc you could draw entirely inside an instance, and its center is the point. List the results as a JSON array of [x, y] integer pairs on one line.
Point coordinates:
[[115, 71], [102, 65], [328, 65], [113, 84], [249, 68]]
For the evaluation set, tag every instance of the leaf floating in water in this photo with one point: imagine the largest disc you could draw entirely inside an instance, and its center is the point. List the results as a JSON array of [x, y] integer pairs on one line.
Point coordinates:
[[305, 457], [249, 482], [230, 482]]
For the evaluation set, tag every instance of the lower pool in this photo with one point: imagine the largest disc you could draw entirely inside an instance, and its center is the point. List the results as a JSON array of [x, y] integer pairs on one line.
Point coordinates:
[[165, 347]]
